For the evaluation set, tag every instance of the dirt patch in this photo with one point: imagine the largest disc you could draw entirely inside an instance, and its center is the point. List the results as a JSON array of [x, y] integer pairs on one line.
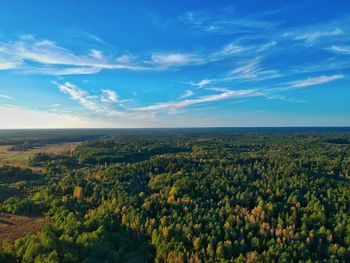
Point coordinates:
[[13, 227]]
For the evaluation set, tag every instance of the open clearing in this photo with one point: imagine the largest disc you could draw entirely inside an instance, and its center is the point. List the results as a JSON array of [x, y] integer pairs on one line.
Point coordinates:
[[20, 158], [13, 227]]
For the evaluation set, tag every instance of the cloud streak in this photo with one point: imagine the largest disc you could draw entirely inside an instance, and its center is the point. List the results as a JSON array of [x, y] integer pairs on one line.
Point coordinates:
[[6, 97], [202, 83], [172, 106], [98, 104], [106, 102], [175, 105], [340, 49], [252, 71], [314, 81], [224, 22], [109, 96], [311, 37], [34, 56], [175, 60], [188, 93]]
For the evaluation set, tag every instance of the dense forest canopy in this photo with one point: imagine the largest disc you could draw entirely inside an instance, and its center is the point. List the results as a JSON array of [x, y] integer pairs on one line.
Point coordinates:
[[205, 195]]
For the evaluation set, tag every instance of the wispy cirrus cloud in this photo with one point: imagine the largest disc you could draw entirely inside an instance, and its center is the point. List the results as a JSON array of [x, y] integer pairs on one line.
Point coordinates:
[[224, 22], [175, 105], [313, 81], [283, 98], [340, 49], [46, 57], [6, 64], [303, 83], [167, 60], [105, 102], [109, 96], [7, 60], [311, 37], [98, 54], [98, 104], [202, 83], [6, 97], [78, 94], [188, 93], [275, 93], [252, 71], [42, 56], [228, 50], [61, 71]]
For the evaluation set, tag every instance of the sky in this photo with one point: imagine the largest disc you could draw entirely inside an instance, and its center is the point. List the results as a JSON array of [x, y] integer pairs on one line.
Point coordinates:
[[120, 64]]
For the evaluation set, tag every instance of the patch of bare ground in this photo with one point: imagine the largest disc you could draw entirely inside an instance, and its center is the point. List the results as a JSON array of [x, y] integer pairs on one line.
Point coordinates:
[[13, 227]]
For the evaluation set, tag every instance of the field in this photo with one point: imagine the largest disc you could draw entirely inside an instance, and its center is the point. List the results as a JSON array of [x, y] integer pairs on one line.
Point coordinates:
[[20, 158], [13, 227]]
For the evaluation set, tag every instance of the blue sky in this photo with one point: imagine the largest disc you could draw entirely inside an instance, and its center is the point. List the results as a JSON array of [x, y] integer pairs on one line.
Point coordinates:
[[70, 64]]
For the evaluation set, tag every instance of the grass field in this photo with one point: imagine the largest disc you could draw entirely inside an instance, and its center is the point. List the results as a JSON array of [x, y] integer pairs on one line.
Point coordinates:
[[20, 158]]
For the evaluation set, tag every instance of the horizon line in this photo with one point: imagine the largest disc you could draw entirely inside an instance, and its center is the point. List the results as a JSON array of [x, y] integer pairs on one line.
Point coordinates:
[[180, 127]]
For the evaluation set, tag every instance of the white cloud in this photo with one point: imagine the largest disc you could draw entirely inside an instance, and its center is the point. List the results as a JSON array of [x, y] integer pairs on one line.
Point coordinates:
[[175, 59], [124, 59], [23, 53], [274, 93], [283, 98], [202, 83], [8, 60], [103, 104], [313, 36], [168, 60], [247, 69], [313, 81], [6, 97], [98, 54], [175, 105], [188, 93], [44, 51], [230, 50], [227, 51], [252, 71], [33, 56], [96, 104], [340, 49], [80, 95], [224, 22], [62, 71], [8, 64], [109, 96]]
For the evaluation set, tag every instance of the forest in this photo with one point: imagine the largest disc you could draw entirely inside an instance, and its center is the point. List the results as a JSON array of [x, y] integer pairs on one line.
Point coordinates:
[[182, 195]]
